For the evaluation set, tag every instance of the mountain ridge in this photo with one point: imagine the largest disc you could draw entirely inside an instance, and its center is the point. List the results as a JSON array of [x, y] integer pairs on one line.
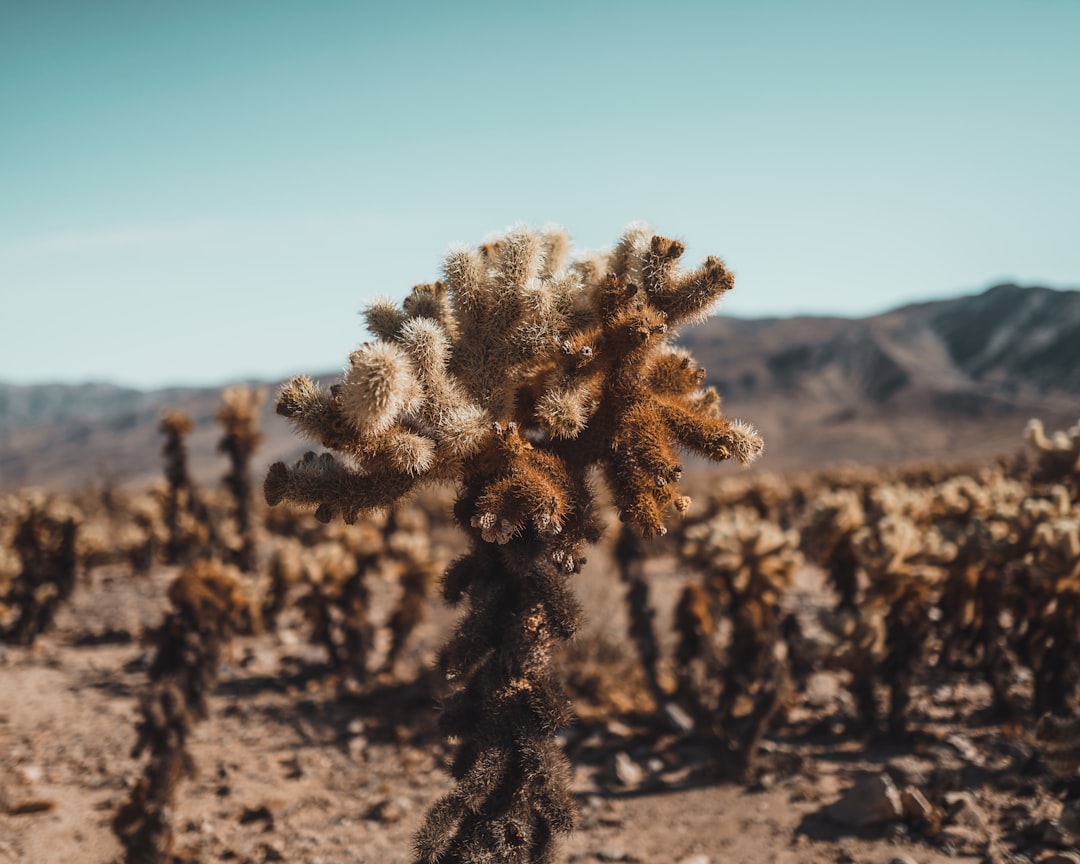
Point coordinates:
[[949, 379]]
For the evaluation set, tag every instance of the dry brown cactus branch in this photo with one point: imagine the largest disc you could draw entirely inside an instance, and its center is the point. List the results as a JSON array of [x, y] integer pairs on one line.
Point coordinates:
[[320, 481]]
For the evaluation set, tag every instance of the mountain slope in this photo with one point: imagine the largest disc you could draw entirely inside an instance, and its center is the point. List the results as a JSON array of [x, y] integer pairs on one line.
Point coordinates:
[[953, 379]]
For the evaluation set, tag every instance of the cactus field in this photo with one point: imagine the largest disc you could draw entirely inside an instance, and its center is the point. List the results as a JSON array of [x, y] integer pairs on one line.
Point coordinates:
[[495, 618]]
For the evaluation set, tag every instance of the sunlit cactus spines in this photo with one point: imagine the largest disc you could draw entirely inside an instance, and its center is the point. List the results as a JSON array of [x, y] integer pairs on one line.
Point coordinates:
[[514, 377], [514, 335]]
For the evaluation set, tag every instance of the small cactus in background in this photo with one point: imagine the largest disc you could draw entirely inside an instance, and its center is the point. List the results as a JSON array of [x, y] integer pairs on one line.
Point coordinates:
[[337, 605], [630, 555], [238, 417], [1057, 456], [409, 550], [45, 544], [748, 565], [187, 520], [827, 538], [904, 566], [207, 607], [514, 378]]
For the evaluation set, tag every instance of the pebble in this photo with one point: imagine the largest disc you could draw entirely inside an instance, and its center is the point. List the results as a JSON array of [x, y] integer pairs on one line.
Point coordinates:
[[627, 771], [390, 810], [910, 770], [31, 774], [963, 840], [963, 810], [821, 689], [918, 809], [678, 718], [873, 800]]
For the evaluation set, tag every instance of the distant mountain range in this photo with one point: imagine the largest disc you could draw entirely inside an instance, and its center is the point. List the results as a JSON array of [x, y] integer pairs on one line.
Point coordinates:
[[952, 379]]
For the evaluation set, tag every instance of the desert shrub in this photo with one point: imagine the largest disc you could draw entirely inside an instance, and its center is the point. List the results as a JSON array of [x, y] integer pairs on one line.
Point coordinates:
[[515, 378]]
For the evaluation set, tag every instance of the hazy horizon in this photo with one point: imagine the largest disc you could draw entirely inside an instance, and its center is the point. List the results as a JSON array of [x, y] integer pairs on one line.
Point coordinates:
[[206, 193]]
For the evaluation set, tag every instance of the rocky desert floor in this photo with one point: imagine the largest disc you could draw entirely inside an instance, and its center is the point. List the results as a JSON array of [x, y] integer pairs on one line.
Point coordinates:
[[292, 767]]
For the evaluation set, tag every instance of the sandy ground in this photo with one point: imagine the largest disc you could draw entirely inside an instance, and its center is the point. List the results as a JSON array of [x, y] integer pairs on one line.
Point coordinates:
[[291, 770]]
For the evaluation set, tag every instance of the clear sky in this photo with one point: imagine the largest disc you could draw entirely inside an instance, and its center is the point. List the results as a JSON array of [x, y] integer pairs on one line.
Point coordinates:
[[194, 192]]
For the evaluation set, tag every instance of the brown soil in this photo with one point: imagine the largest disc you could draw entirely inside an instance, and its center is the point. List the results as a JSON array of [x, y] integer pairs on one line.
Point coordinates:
[[290, 769]]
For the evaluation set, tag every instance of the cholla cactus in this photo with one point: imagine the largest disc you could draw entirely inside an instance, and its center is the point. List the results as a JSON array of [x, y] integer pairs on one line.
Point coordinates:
[[186, 518], [749, 564], [45, 543], [514, 378], [207, 605], [1053, 571], [337, 605], [1058, 457], [904, 564], [238, 417], [827, 538]]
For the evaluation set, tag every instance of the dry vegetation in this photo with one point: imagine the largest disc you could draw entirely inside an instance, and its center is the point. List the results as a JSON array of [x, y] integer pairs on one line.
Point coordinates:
[[916, 627]]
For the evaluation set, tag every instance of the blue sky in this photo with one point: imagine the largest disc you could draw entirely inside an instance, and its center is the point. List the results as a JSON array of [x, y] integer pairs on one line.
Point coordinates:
[[195, 192]]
